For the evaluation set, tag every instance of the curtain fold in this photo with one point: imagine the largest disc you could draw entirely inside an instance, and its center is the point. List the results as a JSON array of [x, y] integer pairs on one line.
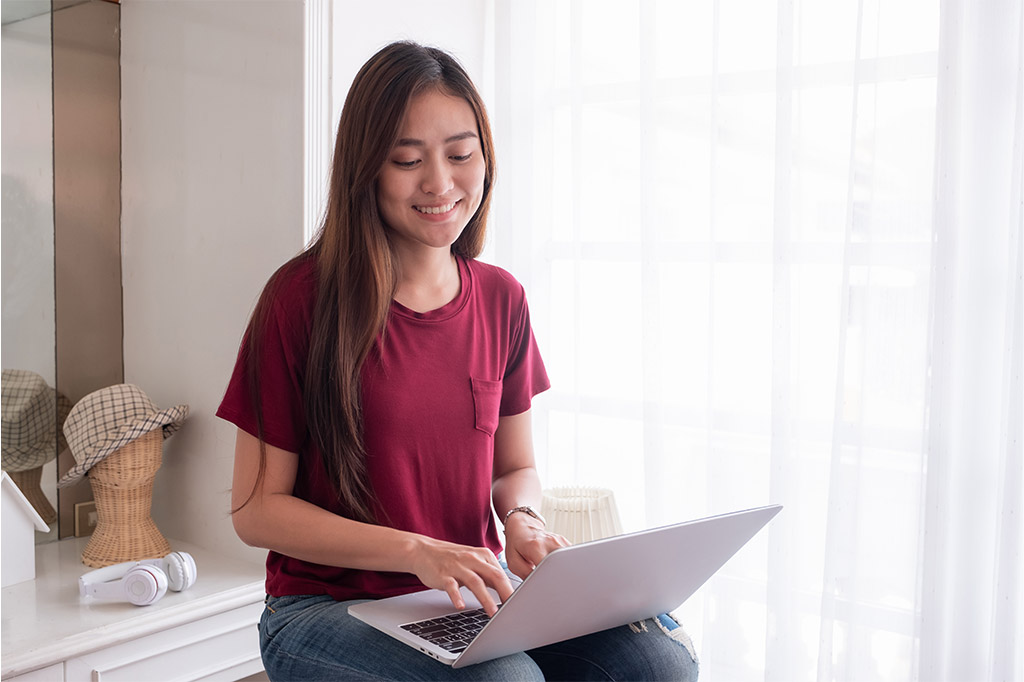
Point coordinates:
[[972, 571], [774, 254]]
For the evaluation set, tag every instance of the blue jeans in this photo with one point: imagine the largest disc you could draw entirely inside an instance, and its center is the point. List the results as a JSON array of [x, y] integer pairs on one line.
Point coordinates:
[[314, 638]]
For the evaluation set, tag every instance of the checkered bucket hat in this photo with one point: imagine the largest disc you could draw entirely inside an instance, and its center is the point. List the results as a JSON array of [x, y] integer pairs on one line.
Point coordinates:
[[32, 415], [106, 420]]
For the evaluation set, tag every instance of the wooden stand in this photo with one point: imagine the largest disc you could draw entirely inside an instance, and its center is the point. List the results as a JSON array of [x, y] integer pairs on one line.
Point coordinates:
[[122, 485]]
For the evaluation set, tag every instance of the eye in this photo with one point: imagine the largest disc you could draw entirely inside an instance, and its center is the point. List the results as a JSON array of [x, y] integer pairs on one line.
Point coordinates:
[[461, 158], [405, 164]]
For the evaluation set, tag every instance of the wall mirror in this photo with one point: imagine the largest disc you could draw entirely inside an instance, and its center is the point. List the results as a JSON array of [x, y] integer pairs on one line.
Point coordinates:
[[29, 333], [61, 270]]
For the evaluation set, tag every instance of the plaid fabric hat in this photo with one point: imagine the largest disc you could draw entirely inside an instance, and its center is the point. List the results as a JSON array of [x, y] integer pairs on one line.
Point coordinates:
[[106, 420], [32, 415]]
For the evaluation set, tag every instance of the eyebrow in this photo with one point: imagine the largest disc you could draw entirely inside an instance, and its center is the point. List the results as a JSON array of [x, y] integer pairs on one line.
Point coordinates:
[[412, 142]]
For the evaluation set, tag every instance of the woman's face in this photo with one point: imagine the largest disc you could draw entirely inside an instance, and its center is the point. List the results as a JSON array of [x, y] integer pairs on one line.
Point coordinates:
[[433, 180]]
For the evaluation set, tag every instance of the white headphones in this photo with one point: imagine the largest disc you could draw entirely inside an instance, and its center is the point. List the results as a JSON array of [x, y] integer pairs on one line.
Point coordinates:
[[140, 582]]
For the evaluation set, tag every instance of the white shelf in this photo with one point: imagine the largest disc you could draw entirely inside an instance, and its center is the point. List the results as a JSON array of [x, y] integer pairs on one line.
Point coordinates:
[[46, 623]]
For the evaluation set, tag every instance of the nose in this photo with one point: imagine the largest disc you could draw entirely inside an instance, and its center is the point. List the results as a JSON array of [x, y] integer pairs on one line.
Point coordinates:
[[437, 177]]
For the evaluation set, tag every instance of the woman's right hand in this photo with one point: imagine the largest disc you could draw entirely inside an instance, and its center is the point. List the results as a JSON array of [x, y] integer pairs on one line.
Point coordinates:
[[447, 566]]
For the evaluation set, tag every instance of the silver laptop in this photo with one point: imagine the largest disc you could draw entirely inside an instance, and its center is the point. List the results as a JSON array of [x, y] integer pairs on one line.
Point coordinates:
[[574, 591]]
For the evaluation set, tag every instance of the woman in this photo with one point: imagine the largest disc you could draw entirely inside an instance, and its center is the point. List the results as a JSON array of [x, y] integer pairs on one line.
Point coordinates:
[[382, 397]]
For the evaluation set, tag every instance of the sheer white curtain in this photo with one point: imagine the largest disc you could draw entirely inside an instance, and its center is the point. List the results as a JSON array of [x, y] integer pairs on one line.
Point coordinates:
[[773, 253]]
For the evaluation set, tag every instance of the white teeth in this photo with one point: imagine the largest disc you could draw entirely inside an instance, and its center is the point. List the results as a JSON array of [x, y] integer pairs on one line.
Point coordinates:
[[436, 210]]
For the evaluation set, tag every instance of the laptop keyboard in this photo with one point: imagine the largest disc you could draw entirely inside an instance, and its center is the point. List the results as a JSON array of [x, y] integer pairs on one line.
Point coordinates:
[[452, 632]]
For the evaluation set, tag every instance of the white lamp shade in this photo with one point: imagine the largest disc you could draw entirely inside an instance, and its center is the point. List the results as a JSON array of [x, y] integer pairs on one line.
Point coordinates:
[[581, 514]]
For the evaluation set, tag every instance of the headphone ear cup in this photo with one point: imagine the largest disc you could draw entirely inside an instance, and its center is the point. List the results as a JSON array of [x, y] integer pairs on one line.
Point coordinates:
[[144, 585], [180, 568]]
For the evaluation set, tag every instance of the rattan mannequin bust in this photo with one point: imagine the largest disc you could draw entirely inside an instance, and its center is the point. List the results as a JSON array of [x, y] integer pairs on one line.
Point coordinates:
[[116, 435], [122, 485]]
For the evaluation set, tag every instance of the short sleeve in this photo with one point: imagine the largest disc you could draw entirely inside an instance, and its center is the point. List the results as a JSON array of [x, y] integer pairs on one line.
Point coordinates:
[[280, 354], [525, 374]]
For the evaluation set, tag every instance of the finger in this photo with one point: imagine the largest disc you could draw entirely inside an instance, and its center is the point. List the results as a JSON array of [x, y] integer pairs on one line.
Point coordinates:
[[479, 589], [558, 542], [520, 565], [492, 559], [496, 578], [503, 586], [560, 539], [451, 587], [533, 553]]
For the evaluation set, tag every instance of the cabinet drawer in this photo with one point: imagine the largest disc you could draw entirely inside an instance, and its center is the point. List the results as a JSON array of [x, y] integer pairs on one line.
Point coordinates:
[[224, 646]]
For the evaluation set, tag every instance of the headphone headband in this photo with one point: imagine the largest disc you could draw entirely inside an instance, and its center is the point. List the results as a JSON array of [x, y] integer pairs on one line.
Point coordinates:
[[88, 582]]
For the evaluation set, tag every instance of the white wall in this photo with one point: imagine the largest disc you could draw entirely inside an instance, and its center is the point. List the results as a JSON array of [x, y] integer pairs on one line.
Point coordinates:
[[212, 130], [212, 135], [360, 29]]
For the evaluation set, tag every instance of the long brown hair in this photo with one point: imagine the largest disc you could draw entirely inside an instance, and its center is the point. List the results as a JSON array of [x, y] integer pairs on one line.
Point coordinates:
[[355, 264]]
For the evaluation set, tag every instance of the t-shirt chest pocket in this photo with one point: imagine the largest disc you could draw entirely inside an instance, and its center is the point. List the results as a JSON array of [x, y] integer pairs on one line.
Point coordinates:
[[486, 404]]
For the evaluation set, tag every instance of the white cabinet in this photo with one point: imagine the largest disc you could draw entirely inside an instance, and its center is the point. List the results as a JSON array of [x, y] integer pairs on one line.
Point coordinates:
[[207, 632], [47, 674], [220, 647]]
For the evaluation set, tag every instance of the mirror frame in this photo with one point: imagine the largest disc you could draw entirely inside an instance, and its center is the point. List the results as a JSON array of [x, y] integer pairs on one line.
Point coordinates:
[[87, 212]]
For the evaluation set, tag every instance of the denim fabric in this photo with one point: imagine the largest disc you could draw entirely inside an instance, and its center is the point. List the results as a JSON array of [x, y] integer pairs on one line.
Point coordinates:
[[639, 651], [314, 638]]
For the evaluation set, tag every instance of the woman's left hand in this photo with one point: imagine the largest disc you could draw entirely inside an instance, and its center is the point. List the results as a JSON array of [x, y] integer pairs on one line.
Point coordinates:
[[527, 543]]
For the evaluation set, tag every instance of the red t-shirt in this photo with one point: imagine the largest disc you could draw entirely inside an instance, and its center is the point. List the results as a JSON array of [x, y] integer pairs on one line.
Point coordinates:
[[433, 388]]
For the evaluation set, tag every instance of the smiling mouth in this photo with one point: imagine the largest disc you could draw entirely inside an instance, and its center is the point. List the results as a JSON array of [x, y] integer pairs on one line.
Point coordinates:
[[436, 210]]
